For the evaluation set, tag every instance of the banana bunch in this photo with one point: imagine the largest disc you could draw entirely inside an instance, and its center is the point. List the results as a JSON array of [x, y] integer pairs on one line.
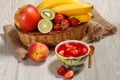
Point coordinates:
[[55, 3], [70, 8], [83, 17]]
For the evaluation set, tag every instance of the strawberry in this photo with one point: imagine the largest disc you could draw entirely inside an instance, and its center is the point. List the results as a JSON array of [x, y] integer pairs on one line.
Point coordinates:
[[84, 50], [67, 54], [62, 70], [74, 21], [57, 27], [65, 24], [74, 53], [61, 53], [69, 74], [58, 18]]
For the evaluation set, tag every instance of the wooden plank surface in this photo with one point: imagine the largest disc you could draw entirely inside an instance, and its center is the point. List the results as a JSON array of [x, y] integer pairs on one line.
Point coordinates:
[[106, 61]]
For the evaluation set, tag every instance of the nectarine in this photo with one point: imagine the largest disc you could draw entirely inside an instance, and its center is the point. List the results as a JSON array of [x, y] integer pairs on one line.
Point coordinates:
[[38, 51]]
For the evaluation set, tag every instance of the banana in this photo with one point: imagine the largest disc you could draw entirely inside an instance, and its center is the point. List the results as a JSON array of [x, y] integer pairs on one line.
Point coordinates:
[[55, 3], [73, 9], [84, 17]]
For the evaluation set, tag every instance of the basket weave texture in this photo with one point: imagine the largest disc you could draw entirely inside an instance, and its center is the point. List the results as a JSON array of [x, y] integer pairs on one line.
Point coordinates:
[[53, 37]]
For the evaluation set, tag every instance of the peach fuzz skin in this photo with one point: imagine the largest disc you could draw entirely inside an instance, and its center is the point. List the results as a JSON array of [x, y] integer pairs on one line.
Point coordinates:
[[38, 52]]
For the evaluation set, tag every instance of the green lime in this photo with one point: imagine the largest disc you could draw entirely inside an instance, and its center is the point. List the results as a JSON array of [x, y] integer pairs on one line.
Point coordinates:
[[47, 14], [45, 25]]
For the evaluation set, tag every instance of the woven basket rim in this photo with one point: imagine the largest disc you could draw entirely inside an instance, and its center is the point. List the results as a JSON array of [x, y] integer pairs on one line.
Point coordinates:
[[54, 37]]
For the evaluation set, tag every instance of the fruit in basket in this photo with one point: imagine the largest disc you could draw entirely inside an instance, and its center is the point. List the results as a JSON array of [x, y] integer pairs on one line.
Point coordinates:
[[60, 22], [65, 24], [58, 18], [45, 26], [47, 14], [73, 21], [27, 17], [57, 27], [73, 9], [84, 17], [51, 3], [38, 51]]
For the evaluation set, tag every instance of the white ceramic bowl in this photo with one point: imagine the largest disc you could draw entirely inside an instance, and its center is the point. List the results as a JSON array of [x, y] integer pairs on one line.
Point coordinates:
[[72, 61]]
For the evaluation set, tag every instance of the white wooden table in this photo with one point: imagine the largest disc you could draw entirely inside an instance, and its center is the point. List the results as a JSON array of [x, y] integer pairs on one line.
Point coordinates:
[[106, 60], [106, 63]]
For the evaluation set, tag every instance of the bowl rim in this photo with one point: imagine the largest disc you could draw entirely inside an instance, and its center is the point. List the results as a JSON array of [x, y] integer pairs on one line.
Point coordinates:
[[72, 41]]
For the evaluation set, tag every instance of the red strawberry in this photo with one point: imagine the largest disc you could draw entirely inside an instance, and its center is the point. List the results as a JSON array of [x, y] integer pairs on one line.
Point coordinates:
[[84, 50], [57, 27], [58, 18], [65, 24], [74, 53], [61, 53], [74, 22], [67, 54], [69, 74], [62, 70]]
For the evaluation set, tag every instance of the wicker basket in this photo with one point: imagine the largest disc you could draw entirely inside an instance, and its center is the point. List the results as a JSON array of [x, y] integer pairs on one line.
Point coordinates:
[[53, 37]]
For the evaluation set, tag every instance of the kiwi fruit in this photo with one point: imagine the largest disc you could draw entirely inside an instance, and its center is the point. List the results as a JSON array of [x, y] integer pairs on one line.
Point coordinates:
[[47, 14]]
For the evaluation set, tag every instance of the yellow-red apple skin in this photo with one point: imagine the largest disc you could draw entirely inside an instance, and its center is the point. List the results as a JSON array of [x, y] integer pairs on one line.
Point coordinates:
[[38, 51], [27, 17]]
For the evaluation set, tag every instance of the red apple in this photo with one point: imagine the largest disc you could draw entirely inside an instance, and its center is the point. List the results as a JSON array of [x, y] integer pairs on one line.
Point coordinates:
[[38, 51], [26, 18]]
